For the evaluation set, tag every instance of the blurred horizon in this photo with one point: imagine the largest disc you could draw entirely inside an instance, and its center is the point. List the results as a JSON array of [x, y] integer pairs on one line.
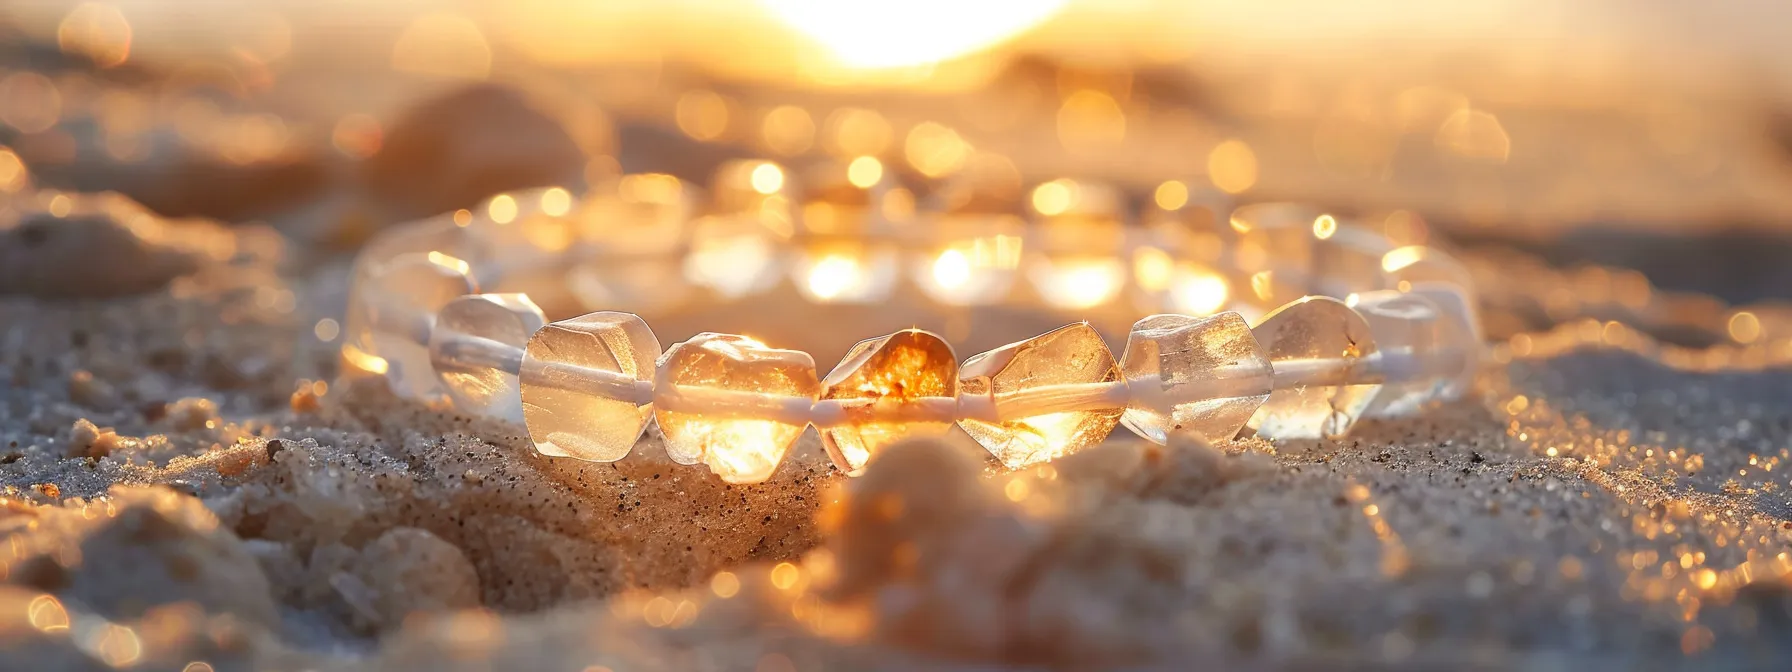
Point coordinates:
[[1521, 114]]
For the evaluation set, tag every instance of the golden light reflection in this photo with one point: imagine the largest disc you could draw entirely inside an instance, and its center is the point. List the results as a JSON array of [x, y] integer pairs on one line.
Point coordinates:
[[702, 114], [29, 102], [767, 178], [1744, 327], [502, 208], [13, 175], [118, 646], [1079, 283], [874, 34], [973, 271], [655, 188], [556, 202], [856, 131], [1232, 166], [1090, 120], [1198, 292], [1171, 195], [935, 150], [1151, 268], [45, 613], [97, 31], [864, 172], [1055, 197], [951, 269], [833, 274], [365, 361], [443, 44], [788, 130], [784, 576], [1324, 226], [459, 266], [724, 584]]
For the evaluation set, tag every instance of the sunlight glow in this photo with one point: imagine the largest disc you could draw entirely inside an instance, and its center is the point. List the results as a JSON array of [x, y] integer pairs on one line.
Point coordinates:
[[868, 34]]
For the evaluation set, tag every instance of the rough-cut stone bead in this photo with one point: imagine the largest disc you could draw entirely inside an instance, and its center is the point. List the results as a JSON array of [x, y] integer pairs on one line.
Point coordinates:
[[1068, 356], [1346, 260], [1406, 329], [893, 387], [1415, 264], [1202, 376], [1317, 347], [391, 313], [477, 349], [1459, 330], [737, 446], [580, 383], [1274, 254]]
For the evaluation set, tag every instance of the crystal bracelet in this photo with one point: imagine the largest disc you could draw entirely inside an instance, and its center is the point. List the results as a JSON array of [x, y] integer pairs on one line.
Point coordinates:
[[1364, 327]]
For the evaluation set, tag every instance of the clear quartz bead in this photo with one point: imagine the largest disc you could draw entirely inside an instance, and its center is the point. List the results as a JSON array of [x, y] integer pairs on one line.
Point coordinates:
[[732, 403], [1203, 376], [1015, 379], [1275, 251], [1347, 260], [583, 385], [1412, 267], [477, 349], [391, 313], [1317, 347], [1406, 329], [1459, 331], [888, 389]]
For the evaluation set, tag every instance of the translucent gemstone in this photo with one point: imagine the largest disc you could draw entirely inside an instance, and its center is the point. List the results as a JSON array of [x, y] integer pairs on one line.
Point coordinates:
[[718, 399], [1014, 376], [390, 315], [1317, 346], [1415, 264], [582, 381], [1203, 376], [436, 234], [910, 379], [1347, 260], [1274, 252], [1274, 234], [1414, 369], [477, 348], [1459, 333]]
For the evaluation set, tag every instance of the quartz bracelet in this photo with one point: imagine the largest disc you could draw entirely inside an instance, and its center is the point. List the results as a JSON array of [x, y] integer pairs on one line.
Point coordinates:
[[1361, 327]]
